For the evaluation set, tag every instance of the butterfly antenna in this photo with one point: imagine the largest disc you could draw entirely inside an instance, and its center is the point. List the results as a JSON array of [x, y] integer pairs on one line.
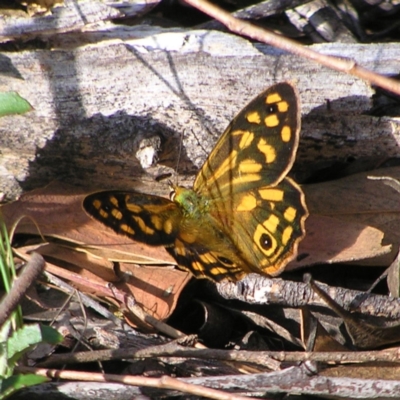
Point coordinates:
[[178, 160]]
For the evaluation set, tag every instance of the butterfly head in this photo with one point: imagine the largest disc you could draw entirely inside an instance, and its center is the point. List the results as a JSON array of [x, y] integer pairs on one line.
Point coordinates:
[[192, 204]]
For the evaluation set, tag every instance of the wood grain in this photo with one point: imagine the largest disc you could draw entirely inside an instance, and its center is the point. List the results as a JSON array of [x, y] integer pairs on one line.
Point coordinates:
[[169, 94]]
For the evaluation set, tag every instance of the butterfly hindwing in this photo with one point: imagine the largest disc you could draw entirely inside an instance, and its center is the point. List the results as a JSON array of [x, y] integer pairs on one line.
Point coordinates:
[[203, 262], [271, 222]]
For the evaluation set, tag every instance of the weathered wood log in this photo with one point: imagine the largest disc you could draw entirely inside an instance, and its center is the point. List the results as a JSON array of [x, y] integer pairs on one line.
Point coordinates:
[[117, 109]]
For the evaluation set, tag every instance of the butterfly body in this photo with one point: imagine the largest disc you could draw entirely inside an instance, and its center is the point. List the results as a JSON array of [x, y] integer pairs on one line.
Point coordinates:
[[243, 213]]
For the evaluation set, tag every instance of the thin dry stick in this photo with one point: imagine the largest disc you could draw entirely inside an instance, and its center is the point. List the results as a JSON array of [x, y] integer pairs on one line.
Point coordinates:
[[265, 358], [165, 382], [254, 32], [28, 276]]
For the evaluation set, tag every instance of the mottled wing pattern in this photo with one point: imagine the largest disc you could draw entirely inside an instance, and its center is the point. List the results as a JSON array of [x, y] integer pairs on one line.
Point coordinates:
[[258, 148], [146, 218], [271, 225], [203, 262]]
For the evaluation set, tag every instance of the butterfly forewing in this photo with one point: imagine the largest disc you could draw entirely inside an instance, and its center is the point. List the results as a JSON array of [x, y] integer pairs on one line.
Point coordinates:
[[150, 219], [258, 147]]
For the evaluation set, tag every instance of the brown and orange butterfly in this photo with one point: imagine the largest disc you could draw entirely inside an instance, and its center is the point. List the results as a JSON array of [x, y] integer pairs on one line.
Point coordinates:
[[243, 213]]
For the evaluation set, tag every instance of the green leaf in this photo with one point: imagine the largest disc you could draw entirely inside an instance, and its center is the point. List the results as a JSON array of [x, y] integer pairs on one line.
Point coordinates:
[[10, 385], [13, 103], [23, 339]]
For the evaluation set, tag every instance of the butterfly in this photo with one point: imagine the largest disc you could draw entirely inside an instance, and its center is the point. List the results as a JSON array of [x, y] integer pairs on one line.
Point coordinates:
[[243, 214]]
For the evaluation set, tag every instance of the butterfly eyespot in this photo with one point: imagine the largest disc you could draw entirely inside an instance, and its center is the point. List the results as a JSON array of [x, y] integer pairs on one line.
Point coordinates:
[[265, 241], [224, 260], [272, 108]]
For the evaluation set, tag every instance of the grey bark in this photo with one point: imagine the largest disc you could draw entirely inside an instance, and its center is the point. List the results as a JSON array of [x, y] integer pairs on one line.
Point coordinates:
[[119, 108]]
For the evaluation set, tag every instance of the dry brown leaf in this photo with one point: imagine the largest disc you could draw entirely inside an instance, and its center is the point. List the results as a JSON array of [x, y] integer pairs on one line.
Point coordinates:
[[352, 219], [330, 240], [58, 212], [359, 199], [67, 257], [64, 264], [314, 336], [155, 289]]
